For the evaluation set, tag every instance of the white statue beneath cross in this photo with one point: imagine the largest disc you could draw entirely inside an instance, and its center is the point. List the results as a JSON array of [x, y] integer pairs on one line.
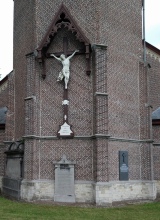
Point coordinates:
[[65, 72]]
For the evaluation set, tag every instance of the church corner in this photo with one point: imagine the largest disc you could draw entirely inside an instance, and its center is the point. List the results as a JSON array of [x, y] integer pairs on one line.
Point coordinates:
[[80, 112]]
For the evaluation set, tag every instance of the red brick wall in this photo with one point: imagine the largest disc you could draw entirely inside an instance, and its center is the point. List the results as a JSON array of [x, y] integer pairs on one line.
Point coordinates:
[[39, 157], [3, 103], [153, 58], [156, 162], [4, 92], [116, 24], [10, 119], [123, 37], [154, 78], [24, 42]]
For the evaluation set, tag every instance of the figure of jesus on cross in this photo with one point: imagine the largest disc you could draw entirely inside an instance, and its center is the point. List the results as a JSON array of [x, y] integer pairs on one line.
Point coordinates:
[[65, 72], [64, 57]]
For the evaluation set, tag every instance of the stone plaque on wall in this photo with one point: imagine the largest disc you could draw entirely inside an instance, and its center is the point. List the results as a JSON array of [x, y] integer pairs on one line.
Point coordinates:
[[64, 181], [123, 165], [14, 160], [13, 168]]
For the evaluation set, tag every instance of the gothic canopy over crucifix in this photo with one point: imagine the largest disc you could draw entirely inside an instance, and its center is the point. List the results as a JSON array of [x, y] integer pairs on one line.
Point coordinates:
[[63, 19]]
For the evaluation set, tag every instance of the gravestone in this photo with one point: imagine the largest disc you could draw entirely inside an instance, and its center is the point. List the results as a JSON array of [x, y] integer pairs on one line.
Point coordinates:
[[123, 165], [64, 181], [11, 183]]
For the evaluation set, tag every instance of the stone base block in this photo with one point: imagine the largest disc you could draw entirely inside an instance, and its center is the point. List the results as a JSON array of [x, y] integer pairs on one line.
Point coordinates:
[[107, 193], [84, 191], [89, 192], [1, 183], [37, 190], [158, 188], [44, 190]]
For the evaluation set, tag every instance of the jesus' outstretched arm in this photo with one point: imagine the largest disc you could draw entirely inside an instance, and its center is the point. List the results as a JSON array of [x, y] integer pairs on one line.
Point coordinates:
[[52, 55], [73, 54]]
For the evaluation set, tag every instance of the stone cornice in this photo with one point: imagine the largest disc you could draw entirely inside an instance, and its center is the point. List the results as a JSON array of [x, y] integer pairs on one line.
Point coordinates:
[[56, 138]]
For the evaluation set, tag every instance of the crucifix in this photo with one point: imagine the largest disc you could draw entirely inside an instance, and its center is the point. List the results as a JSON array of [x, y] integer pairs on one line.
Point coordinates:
[[123, 155], [65, 129]]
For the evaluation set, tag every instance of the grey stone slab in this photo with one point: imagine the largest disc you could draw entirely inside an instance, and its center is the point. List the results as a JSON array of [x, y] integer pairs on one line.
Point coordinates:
[[13, 168], [64, 181]]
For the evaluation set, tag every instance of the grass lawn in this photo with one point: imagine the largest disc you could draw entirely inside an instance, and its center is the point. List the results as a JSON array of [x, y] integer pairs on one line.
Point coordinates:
[[18, 210]]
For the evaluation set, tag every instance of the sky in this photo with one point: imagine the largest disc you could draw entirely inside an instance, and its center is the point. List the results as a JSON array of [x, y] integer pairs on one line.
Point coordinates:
[[152, 29]]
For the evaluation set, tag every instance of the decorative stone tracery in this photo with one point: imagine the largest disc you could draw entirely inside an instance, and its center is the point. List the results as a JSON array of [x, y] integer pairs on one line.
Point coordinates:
[[63, 19]]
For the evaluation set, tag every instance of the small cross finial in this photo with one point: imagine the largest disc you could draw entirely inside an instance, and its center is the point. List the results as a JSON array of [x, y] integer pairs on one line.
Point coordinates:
[[64, 158]]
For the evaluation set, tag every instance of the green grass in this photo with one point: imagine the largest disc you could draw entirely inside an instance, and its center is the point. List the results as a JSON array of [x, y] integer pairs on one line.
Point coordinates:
[[13, 210]]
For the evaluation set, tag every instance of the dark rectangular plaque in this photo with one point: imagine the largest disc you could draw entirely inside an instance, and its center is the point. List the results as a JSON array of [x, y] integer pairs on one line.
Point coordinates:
[[123, 165], [64, 167]]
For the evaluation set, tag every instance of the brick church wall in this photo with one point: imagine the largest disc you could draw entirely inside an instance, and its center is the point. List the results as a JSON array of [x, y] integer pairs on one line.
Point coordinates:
[[38, 102], [100, 26], [10, 118], [3, 103], [153, 58], [4, 92], [24, 42], [41, 154], [124, 50], [109, 32]]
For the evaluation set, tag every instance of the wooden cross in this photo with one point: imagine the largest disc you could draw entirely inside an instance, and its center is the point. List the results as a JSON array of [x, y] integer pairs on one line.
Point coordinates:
[[65, 50], [65, 130], [85, 50], [65, 95]]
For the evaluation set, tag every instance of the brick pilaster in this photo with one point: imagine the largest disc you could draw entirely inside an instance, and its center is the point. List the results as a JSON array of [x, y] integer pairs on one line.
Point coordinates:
[[100, 119]]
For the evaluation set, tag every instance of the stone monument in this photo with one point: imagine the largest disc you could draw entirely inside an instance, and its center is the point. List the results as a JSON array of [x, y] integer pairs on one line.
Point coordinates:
[[64, 181]]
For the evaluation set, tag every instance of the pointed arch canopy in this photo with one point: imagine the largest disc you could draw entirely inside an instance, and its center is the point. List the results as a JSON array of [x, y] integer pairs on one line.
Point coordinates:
[[63, 18]]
